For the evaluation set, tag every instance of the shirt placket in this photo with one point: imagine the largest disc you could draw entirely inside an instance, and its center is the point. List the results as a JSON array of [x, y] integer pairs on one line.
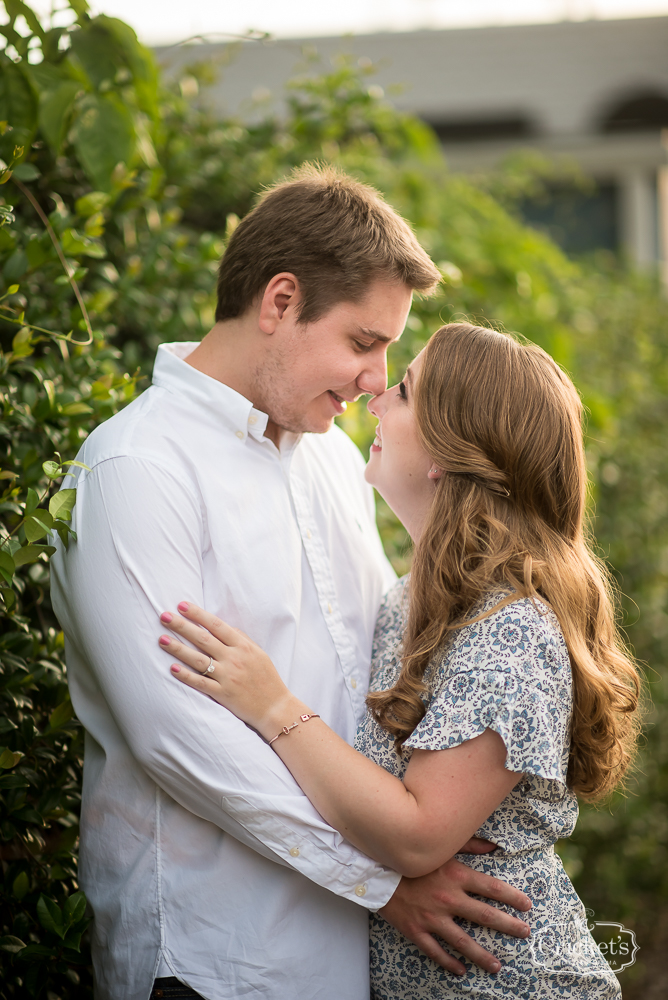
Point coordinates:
[[324, 584]]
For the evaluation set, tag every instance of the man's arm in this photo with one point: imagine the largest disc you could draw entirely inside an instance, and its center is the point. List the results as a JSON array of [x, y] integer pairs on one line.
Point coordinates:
[[134, 559]]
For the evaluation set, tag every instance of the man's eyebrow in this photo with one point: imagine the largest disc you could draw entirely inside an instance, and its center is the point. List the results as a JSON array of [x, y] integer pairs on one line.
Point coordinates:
[[375, 334]]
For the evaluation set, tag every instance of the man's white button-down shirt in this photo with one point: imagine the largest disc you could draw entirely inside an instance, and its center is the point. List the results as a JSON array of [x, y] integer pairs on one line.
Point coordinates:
[[200, 855]]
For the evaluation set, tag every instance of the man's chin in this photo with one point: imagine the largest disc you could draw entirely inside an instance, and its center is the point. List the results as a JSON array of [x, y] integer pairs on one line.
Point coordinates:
[[308, 424]]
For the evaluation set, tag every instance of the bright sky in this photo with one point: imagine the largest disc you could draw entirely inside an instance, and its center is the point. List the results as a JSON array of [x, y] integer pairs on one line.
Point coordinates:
[[168, 21]]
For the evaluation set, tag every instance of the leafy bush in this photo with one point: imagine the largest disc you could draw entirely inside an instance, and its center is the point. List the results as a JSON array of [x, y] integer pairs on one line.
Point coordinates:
[[140, 187]]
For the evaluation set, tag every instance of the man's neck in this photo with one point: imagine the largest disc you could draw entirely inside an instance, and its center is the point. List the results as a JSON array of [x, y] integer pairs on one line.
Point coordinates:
[[227, 354]]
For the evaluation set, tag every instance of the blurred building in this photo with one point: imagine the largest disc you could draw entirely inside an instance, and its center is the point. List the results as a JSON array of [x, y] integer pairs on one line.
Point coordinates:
[[595, 92]]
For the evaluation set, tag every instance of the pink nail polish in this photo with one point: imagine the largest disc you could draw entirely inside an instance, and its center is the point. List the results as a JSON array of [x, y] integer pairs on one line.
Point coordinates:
[[175, 669], [495, 967], [166, 617], [164, 640], [183, 606]]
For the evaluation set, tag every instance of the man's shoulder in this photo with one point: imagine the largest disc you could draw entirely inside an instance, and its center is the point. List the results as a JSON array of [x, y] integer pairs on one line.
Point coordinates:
[[130, 433]]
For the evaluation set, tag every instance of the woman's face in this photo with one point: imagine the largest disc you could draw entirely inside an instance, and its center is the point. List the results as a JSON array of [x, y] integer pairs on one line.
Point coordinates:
[[398, 466]]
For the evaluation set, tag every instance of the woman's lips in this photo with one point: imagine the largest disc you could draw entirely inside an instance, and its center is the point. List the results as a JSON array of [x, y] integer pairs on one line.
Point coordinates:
[[377, 443]]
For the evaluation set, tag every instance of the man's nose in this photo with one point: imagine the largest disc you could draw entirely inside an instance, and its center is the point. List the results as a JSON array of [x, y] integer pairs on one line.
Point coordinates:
[[374, 377]]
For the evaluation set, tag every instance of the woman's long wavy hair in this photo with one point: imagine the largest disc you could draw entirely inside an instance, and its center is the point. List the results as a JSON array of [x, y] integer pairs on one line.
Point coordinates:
[[504, 423]]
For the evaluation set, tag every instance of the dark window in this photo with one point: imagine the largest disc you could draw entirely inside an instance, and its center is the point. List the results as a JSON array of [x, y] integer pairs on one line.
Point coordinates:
[[479, 129], [645, 112], [579, 221]]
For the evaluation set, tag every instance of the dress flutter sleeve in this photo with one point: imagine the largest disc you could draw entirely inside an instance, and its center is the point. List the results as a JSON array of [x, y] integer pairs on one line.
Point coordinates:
[[511, 673]]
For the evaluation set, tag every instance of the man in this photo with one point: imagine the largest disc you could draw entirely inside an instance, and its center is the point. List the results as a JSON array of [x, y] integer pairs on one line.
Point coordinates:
[[225, 484]]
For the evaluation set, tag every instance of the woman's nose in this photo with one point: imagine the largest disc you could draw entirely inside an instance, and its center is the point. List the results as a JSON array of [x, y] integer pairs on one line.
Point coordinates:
[[376, 405]]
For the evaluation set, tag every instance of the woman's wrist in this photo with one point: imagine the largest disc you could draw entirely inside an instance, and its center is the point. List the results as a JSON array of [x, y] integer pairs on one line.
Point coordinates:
[[282, 713]]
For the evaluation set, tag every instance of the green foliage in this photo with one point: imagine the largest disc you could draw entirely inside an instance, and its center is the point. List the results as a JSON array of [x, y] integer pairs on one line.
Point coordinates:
[[140, 187]]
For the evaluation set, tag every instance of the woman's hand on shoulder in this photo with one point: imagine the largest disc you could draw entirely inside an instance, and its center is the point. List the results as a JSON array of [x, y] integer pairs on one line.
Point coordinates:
[[224, 664]]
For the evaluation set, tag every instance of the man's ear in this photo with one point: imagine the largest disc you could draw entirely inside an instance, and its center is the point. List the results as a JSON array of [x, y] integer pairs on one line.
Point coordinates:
[[280, 299]]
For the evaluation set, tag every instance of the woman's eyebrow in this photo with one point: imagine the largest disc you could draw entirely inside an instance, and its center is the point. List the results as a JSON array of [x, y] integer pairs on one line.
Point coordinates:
[[409, 377]]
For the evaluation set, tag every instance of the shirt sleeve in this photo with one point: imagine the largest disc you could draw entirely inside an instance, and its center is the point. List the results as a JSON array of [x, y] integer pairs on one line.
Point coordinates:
[[510, 673], [134, 558]]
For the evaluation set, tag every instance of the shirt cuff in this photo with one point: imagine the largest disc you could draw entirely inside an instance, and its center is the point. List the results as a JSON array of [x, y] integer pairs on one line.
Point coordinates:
[[319, 853]]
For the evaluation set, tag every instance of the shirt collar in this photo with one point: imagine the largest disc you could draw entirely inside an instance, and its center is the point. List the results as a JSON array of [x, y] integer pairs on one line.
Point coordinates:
[[218, 400]]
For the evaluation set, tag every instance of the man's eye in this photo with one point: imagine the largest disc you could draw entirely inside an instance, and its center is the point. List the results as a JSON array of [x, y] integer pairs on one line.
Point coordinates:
[[362, 347], [402, 390]]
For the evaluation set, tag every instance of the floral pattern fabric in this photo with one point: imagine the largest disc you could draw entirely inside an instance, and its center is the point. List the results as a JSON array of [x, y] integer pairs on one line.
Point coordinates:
[[511, 673]]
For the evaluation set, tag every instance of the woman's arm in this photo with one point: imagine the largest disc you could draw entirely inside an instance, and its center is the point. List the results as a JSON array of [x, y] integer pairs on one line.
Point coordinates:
[[412, 826]]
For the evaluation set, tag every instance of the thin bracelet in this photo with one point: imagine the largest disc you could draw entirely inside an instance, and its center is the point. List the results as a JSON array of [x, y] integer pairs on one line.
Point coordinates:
[[287, 729]]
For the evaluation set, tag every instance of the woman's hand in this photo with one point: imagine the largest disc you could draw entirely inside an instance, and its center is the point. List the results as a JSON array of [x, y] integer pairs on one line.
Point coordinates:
[[229, 667]]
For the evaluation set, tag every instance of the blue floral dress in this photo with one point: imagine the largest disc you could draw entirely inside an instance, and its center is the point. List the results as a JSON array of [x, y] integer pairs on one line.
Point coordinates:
[[511, 673]]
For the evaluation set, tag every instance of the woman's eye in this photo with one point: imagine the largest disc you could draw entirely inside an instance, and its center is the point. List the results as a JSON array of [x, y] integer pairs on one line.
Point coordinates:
[[402, 390]]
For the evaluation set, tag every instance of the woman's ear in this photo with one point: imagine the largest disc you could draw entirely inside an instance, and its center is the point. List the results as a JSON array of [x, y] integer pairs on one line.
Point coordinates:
[[434, 473]]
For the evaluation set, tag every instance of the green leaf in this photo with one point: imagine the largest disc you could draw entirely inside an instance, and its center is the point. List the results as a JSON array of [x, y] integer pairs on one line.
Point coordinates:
[[91, 203], [17, 8], [7, 240], [34, 529], [32, 501], [9, 597], [36, 951], [104, 136], [13, 781], [29, 815], [9, 758], [20, 885], [80, 7], [73, 939], [74, 409], [50, 916], [21, 344], [7, 565], [16, 266], [31, 553], [26, 172], [80, 465], [9, 942], [62, 714], [55, 112], [52, 469], [61, 504], [18, 106], [75, 908], [64, 532], [44, 516]]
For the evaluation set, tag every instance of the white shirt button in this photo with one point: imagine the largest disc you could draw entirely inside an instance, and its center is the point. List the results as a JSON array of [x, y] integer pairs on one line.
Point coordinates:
[[252, 419], [353, 683], [360, 890], [308, 532], [329, 609], [240, 434], [294, 851]]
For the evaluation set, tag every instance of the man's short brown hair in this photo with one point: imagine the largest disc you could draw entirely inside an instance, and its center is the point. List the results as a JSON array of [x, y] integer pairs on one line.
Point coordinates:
[[333, 233]]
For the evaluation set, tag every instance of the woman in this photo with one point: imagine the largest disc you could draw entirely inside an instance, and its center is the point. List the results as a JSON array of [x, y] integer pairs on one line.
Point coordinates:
[[500, 689]]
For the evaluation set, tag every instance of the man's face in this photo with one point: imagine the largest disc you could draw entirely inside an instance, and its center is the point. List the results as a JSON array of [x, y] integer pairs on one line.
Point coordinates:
[[312, 370]]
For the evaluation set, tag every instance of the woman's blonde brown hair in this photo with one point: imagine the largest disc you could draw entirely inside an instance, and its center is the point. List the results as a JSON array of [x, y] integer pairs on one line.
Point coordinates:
[[504, 423]]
